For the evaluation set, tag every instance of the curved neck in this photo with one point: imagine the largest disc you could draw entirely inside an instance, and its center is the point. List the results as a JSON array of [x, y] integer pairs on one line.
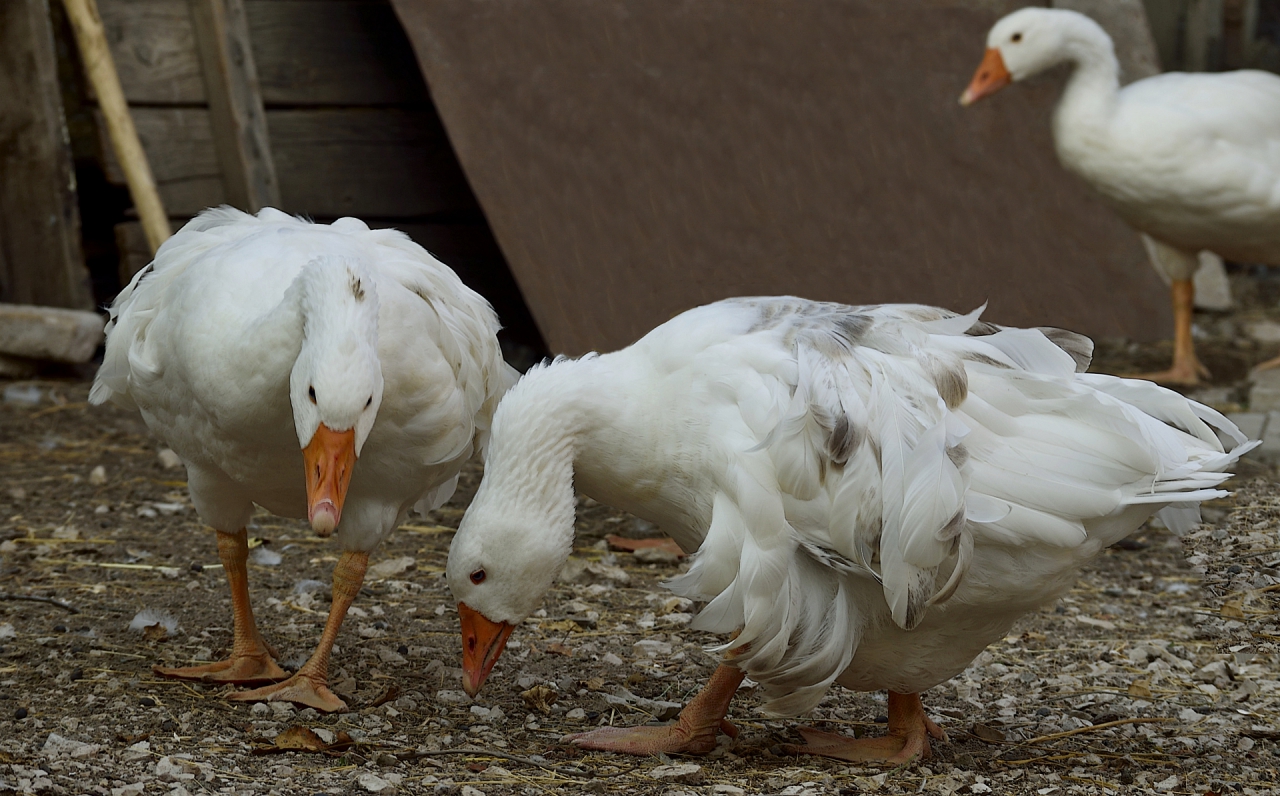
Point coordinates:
[[1089, 101], [535, 436]]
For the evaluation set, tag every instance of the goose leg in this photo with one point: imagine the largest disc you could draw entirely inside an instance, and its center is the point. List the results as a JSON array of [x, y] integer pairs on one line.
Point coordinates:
[[1186, 368], [906, 741], [694, 732], [251, 658], [310, 685]]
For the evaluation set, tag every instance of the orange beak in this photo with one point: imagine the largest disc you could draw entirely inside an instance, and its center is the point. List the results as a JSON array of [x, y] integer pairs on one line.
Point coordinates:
[[482, 642], [990, 78], [329, 458]]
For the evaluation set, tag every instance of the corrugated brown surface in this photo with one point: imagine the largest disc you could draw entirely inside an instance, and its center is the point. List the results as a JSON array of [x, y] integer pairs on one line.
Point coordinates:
[[637, 158]]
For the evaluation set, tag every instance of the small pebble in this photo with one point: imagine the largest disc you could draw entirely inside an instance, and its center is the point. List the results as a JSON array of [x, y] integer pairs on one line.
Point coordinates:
[[147, 702], [20, 713], [98, 475]]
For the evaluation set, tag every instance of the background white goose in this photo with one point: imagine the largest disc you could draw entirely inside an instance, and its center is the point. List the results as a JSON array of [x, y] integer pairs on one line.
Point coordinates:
[[1192, 160], [324, 371], [874, 494]]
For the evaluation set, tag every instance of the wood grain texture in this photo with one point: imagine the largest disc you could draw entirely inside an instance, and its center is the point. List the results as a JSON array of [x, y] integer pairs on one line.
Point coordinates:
[[154, 46], [379, 163], [307, 52], [639, 159], [333, 52], [99, 67], [236, 111], [40, 257]]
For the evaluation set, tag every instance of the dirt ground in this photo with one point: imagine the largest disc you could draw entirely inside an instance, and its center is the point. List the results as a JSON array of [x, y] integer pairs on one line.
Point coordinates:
[[1157, 674]]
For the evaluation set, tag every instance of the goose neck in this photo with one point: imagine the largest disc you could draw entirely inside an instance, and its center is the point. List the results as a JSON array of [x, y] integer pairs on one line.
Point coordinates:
[[1088, 103]]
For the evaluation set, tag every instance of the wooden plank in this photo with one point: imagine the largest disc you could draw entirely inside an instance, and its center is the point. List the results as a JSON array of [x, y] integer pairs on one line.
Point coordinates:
[[100, 69], [333, 52], [374, 163], [39, 219], [153, 43], [308, 52], [236, 112], [55, 334], [131, 243], [179, 145], [369, 163]]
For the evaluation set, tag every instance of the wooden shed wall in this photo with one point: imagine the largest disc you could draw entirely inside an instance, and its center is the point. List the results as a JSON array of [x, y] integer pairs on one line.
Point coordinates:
[[350, 124], [40, 257]]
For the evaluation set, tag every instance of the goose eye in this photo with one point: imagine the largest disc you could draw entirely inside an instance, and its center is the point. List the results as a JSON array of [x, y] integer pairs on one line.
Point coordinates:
[[1017, 37], [311, 393], [369, 402], [478, 576]]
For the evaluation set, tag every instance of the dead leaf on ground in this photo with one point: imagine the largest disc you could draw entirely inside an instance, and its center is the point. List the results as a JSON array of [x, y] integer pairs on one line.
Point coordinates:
[[1140, 688], [304, 739], [987, 733], [593, 684], [540, 698], [665, 544], [130, 740], [392, 691], [1234, 609], [154, 633], [560, 649]]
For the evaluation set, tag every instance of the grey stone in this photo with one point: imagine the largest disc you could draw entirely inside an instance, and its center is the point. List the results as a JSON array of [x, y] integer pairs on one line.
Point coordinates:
[[1264, 392], [679, 772], [50, 333], [57, 746]]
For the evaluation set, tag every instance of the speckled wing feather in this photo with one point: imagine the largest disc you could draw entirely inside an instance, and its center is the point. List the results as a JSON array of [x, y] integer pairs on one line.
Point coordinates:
[[917, 435]]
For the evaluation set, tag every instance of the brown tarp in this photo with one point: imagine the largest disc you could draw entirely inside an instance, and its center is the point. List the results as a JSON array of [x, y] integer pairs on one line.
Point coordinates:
[[639, 157]]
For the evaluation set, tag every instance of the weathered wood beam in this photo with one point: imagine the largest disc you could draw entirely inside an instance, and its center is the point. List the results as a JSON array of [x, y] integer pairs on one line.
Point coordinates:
[[40, 257], [49, 333], [235, 104], [91, 38], [377, 162]]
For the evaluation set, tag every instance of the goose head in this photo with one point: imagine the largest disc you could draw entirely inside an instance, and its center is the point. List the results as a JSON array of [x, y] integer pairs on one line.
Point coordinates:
[[335, 386], [517, 533], [1028, 42]]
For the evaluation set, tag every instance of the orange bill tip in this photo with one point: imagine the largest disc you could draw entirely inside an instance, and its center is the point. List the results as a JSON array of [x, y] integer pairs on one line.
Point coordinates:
[[990, 78], [329, 458], [482, 643]]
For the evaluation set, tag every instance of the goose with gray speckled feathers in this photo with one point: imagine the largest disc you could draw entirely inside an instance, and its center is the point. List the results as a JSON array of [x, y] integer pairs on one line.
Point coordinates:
[[871, 495]]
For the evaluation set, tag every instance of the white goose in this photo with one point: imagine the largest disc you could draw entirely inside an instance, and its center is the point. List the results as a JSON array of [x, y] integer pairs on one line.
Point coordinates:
[[874, 494], [1191, 160], [324, 371]]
